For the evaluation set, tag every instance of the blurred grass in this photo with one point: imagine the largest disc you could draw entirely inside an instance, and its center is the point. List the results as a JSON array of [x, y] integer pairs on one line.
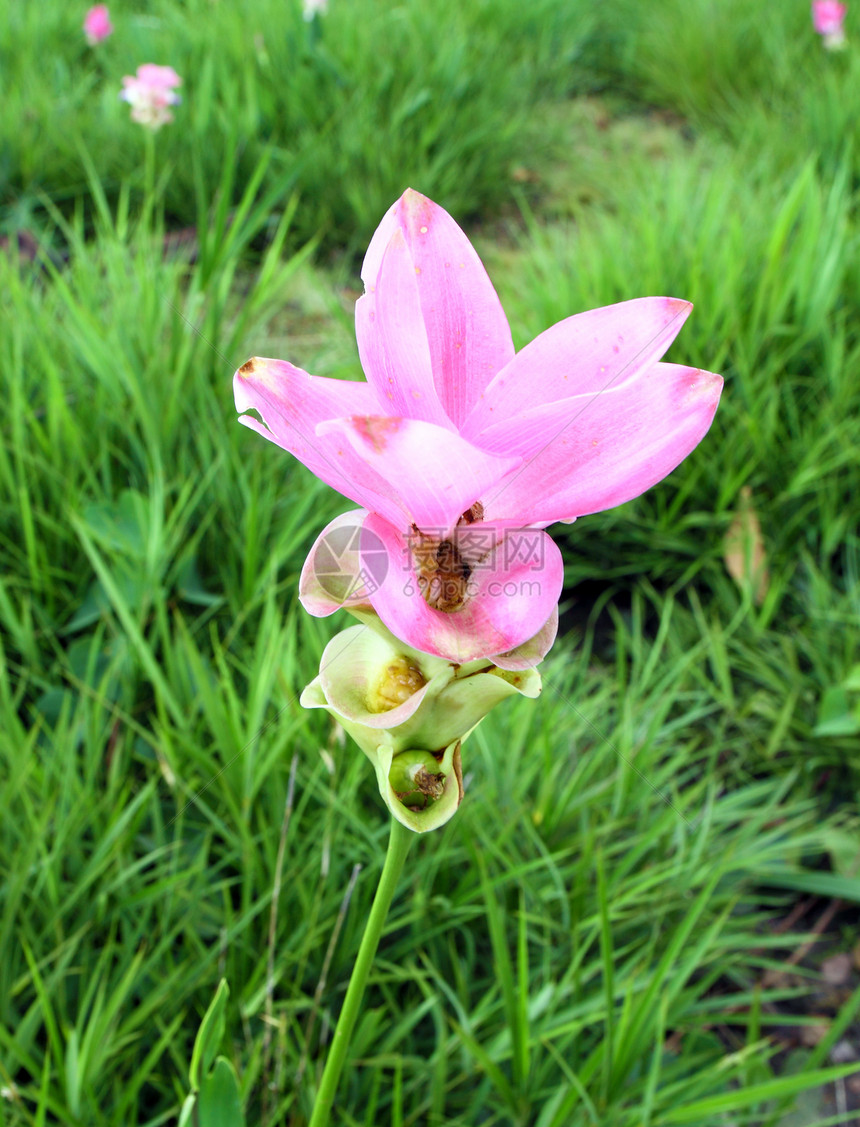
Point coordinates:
[[351, 108], [585, 942]]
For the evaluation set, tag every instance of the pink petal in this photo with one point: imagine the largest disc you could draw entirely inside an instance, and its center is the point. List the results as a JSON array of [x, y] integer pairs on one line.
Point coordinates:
[[437, 473], [467, 332], [533, 651], [828, 16], [331, 577], [392, 341], [605, 449], [158, 77], [376, 248], [583, 354], [291, 404], [510, 597]]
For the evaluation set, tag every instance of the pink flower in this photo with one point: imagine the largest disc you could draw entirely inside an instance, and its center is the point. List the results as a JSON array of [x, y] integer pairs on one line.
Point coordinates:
[[828, 17], [97, 25], [460, 451], [150, 92]]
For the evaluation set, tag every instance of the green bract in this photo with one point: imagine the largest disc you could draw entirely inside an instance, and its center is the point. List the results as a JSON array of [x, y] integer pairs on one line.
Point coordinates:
[[395, 701]]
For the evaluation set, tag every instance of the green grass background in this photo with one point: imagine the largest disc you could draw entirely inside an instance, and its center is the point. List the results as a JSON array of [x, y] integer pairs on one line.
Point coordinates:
[[585, 942]]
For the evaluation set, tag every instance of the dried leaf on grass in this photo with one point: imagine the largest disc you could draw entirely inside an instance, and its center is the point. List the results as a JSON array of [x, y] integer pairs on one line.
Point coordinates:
[[743, 550]]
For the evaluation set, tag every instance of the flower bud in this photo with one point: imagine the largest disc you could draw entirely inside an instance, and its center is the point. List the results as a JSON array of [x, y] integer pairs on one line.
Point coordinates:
[[416, 779], [405, 806], [409, 712]]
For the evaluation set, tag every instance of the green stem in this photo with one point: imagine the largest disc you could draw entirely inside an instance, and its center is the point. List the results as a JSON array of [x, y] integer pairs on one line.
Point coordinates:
[[148, 176], [398, 847]]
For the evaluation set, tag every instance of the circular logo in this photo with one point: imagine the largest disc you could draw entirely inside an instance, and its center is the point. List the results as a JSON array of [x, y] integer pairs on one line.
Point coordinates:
[[350, 562]]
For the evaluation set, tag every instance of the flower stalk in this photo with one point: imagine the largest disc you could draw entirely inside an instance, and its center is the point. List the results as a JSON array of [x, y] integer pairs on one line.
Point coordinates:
[[398, 846]]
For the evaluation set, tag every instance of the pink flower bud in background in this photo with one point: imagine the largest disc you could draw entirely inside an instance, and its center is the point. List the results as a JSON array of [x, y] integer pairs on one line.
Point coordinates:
[[828, 17], [150, 92], [97, 25]]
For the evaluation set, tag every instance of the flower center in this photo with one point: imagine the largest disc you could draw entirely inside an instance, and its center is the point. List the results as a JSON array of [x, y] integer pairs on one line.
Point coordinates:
[[396, 684], [442, 577], [443, 574]]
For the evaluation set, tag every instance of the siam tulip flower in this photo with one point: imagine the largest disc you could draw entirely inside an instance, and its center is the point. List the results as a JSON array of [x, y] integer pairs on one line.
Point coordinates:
[[97, 25], [150, 92], [461, 451], [409, 712], [828, 17]]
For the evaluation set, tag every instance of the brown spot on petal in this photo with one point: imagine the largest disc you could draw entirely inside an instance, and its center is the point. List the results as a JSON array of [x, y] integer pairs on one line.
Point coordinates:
[[248, 367], [375, 430]]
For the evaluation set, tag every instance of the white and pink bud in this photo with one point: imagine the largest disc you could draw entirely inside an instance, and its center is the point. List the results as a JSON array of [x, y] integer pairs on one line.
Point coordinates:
[[150, 93], [828, 19]]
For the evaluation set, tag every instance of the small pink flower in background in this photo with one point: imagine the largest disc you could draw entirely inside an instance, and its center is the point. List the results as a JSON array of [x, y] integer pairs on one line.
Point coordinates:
[[828, 17], [461, 451], [150, 93], [97, 25], [311, 8]]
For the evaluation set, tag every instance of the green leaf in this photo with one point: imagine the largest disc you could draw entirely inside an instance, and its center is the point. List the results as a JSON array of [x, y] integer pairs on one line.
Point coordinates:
[[190, 587], [187, 1108], [844, 849], [748, 1097], [810, 1104], [209, 1037], [133, 585], [220, 1104], [73, 1072], [835, 716], [121, 524], [137, 642], [819, 884]]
